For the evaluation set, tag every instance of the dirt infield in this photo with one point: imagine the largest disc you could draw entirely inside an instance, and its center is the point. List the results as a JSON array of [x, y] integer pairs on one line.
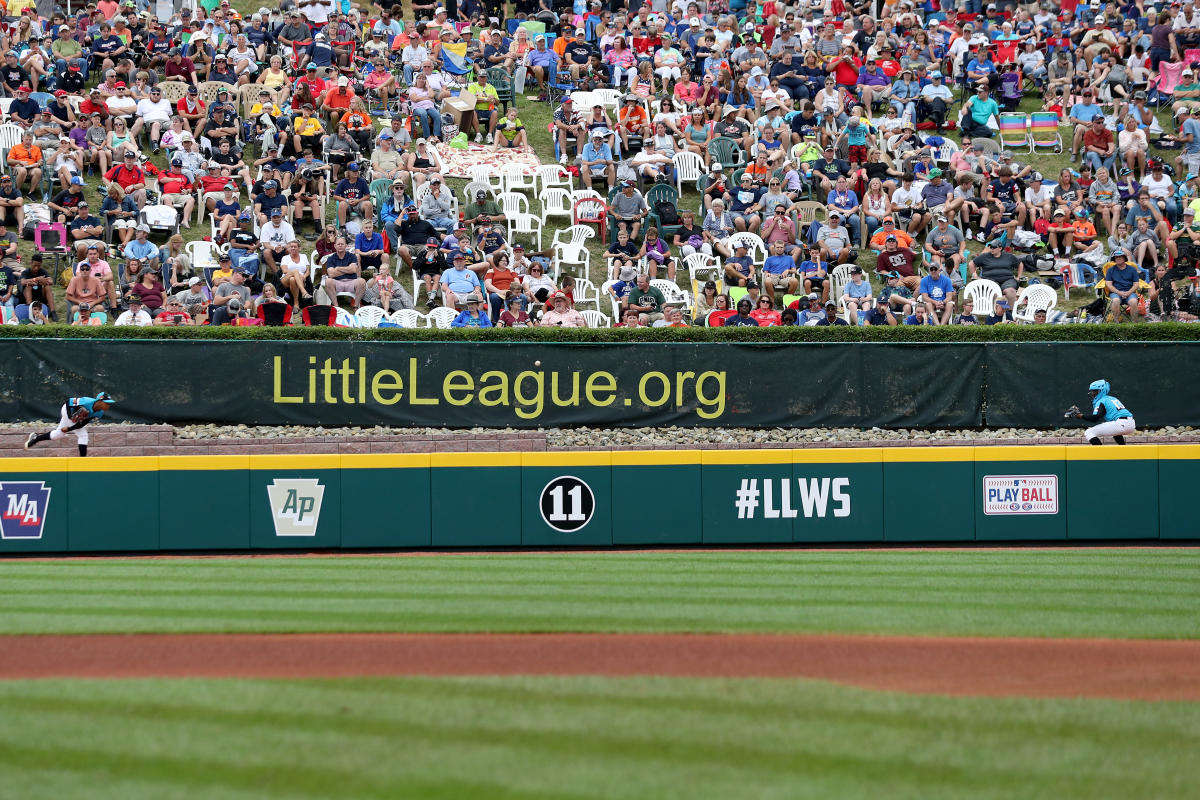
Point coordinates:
[[1119, 669]]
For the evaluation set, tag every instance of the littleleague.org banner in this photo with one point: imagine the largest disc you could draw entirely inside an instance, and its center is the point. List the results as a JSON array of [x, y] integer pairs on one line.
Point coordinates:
[[501, 384]]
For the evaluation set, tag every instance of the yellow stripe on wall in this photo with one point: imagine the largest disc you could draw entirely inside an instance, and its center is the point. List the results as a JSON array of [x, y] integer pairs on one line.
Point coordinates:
[[617, 458]]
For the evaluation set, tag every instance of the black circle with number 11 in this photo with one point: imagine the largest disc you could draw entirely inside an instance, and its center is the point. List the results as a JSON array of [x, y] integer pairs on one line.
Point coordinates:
[[567, 504]]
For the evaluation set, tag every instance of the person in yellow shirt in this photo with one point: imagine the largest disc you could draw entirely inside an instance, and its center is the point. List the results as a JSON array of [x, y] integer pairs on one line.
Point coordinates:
[[486, 100], [511, 131], [306, 131]]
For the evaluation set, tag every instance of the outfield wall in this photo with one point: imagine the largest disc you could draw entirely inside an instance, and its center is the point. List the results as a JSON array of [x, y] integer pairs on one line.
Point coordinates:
[[598, 499], [533, 385]]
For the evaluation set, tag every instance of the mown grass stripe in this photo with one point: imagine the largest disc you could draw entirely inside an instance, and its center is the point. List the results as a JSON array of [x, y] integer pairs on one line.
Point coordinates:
[[1113, 593], [582, 738]]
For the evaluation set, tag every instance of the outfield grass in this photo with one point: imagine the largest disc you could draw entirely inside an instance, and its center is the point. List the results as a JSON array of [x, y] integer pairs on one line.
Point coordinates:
[[577, 738], [1122, 593]]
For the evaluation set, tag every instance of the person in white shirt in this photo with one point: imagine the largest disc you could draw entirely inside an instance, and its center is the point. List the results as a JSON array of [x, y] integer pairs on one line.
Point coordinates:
[[136, 315], [274, 237], [316, 11], [907, 201], [413, 56], [1038, 197], [155, 112]]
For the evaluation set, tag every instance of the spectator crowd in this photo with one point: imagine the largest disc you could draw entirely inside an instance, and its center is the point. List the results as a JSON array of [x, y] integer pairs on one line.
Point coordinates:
[[852, 163]]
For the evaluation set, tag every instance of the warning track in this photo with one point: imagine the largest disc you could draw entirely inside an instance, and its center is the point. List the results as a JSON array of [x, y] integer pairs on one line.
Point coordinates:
[[1099, 668]]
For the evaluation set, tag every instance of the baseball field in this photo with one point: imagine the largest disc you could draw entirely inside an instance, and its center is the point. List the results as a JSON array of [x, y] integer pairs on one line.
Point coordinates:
[[726, 674]]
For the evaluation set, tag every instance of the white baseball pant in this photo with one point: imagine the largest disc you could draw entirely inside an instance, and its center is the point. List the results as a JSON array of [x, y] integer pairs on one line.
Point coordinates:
[[1118, 427], [81, 434]]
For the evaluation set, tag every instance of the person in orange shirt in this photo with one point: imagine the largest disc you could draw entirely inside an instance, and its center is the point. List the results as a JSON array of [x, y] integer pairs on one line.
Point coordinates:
[[358, 123], [335, 101], [903, 239], [1083, 232], [25, 158], [632, 120]]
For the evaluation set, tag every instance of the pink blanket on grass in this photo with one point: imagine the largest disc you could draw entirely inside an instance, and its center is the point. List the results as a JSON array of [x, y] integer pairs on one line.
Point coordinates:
[[455, 163]]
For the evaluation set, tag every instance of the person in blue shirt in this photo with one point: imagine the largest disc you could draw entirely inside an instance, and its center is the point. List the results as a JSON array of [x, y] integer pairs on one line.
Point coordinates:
[[353, 193], [597, 157], [1122, 280], [831, 317], [1111, 416], [141, 248], [1081, 116], [779, 271], [742, 318], [76, 414], [543, 64], [471, 316], [369, 246], [979, 110], [813, 312], [936, 293]]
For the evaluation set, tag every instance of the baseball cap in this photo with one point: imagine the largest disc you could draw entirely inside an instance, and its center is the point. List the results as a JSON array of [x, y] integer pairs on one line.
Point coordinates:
[[193, 281], [275, 212], [856, 271], [431, 240], [891, 237], [77, 181], [134, 300]]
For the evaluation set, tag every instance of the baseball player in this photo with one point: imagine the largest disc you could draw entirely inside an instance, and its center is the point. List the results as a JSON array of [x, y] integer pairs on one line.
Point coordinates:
[[77, 414], [1112, 417]]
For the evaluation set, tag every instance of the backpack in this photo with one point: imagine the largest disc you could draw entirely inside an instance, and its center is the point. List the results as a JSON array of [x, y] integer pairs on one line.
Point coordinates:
[[667, 213]]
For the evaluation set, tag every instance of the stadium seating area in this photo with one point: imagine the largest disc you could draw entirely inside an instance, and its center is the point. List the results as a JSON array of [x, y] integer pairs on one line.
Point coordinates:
[[770, 166]]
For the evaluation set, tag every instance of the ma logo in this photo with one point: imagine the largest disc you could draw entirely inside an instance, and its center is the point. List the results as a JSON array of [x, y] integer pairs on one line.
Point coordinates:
[[295, 505], [23, 505]]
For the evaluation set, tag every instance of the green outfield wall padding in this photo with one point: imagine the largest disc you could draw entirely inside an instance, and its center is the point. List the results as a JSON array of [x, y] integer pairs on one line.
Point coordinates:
[[598, 499]]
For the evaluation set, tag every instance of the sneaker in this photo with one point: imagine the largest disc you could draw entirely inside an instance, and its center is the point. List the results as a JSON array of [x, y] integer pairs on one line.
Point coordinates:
[[478, 137], [488, 139], [31, 441], [1074, 157], [980, 236], [562, 159]]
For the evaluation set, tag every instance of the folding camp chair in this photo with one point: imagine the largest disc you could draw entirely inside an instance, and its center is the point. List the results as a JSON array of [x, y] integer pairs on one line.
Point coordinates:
[[1014, 131], [1043, 131], [1169, 74]]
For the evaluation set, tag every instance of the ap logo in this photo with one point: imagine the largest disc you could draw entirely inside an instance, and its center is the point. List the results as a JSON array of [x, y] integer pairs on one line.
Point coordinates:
[[295, 505], [23, 505]]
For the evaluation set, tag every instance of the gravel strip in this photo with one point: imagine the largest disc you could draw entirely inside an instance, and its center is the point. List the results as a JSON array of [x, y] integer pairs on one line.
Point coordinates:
[[644, 437]]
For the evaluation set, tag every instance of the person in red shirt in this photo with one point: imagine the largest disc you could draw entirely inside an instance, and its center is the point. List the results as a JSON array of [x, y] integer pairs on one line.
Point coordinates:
[[192, 109], [130, 177], [177, 189], [315, 84], [94, 104], [179, 67]]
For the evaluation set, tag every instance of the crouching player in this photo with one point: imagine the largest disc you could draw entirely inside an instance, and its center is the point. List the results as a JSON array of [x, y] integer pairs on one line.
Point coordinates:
[[1111, 416]]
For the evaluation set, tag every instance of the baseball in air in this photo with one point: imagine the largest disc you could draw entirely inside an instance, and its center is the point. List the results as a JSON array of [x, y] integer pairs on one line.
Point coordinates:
[[537, 363]]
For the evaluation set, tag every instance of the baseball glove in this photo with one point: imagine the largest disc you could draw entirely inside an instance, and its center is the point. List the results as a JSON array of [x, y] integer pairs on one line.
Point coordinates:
[[80, 415], [1073, 411]]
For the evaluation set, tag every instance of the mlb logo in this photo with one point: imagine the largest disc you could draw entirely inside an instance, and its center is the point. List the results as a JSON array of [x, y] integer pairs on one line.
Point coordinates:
[[23, 509]]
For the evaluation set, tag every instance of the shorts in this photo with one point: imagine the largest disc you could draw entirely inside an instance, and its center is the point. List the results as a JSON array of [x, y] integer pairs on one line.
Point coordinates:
[[778, 281], [1011, 283], [344, 285], [857, 153], [1133, 298]]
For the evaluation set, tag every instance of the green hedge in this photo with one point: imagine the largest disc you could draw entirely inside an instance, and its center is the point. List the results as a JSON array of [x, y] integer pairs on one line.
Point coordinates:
[[1143, 332]]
